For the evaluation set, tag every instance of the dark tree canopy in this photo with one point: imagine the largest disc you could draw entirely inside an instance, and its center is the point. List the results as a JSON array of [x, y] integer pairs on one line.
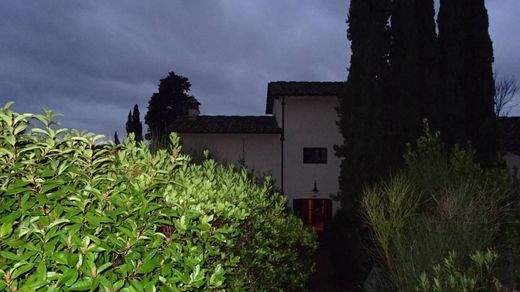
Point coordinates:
[[116, 139], [400, 73], [134, 125], [465, 66], [168, 103], [364, 125], [413, 60], [362, 109]]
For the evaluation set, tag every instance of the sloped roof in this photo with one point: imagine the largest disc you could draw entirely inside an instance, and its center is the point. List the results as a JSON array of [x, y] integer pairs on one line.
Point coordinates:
[[226, 124], [276, 89], [509, 130]]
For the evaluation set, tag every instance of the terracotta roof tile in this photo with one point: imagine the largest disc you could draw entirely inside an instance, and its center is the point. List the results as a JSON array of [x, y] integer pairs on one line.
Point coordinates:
[[226, 124]]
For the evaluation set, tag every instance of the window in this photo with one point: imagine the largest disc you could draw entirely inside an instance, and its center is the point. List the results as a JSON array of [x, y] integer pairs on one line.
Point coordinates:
[[315, 155]]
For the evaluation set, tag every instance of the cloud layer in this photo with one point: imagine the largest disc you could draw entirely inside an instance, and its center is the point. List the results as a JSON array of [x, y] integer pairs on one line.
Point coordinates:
[[93, 60]]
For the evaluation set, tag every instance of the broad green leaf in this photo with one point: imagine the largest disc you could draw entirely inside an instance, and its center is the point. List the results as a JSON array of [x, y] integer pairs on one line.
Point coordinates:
[[69, 277], [6, 230], [10, 139], [9, 255], [82, 285], [41, 271], [22, 269], [61, 257]]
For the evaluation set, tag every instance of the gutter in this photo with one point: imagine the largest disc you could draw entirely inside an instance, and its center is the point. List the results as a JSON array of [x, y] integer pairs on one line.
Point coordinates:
[[282, 139]]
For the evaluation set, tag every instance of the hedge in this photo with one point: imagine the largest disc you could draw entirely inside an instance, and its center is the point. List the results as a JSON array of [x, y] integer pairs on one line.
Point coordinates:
[[79, 213]]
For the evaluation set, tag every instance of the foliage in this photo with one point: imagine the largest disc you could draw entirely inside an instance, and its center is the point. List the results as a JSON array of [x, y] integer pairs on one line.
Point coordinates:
[[362, 117], [449, 278], [134, 125], [80, 214], [167, 104], [467, 88], [361, 110], [442, 202], [413, 63]]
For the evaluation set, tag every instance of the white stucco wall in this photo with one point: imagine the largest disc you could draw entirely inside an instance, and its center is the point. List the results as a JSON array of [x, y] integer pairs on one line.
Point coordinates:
[[310, 121], [513, 163], [262, 151]]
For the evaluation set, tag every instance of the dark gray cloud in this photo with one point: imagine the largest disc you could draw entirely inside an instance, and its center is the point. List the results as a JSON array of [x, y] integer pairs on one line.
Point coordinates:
[[92, 60]]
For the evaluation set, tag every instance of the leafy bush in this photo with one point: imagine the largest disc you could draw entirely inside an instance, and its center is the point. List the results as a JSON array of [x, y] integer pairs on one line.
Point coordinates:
[[449, 278], [442, 202], [80, 214]]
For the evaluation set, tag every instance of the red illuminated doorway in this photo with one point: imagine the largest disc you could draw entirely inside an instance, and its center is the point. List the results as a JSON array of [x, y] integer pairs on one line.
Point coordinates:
[[315, 213]]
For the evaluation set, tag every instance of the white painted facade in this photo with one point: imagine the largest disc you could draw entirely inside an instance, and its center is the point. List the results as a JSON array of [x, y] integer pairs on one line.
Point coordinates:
[[513, 163], [306, 121], [309, 121]]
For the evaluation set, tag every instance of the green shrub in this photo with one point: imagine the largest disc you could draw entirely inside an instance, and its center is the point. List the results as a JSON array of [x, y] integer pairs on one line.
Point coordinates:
[[448, 277], [77, 213], [442, 202]]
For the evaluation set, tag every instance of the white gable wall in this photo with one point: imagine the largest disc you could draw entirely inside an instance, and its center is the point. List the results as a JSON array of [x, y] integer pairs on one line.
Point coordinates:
[[310, 121], [513, 163]]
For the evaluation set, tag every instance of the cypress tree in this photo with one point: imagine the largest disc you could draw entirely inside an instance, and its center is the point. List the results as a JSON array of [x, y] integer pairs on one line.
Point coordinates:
[[413, 65], [465, 68], [134, 125], [129, 124], [116, 139], [362, 119], [137, 126], [362, 110]]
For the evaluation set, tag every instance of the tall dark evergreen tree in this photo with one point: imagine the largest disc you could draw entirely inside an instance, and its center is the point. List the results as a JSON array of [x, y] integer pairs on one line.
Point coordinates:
[[413, 60], [137, 125], [168, 103], [129, 124], [362, 111], [465, 68], [116, 139], [363, 117], [134, 125]]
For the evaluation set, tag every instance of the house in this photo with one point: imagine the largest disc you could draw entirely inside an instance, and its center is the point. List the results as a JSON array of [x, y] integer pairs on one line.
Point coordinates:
[[293, 143], [509, 133]]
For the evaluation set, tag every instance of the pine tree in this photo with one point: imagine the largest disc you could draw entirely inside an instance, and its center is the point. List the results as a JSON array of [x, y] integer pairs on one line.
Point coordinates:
[[465, 68], [413, 60], [167, 104]]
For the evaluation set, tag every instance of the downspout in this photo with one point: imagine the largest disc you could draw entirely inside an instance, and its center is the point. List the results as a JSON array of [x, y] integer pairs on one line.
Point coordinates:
[[282, 139]]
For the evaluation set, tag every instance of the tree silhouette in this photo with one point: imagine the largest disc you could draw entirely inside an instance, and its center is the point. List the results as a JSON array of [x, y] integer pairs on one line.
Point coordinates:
[[363, 122], [467, 88], [116, 139], [134, 125], [167, 104], [362, 112], [413, 60], [505, 95]]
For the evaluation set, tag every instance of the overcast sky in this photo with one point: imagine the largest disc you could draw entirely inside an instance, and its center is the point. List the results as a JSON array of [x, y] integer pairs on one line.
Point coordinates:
[[93, 60]]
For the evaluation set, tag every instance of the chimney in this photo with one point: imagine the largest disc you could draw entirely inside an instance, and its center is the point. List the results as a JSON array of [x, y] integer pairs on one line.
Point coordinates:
[[193, 108]]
